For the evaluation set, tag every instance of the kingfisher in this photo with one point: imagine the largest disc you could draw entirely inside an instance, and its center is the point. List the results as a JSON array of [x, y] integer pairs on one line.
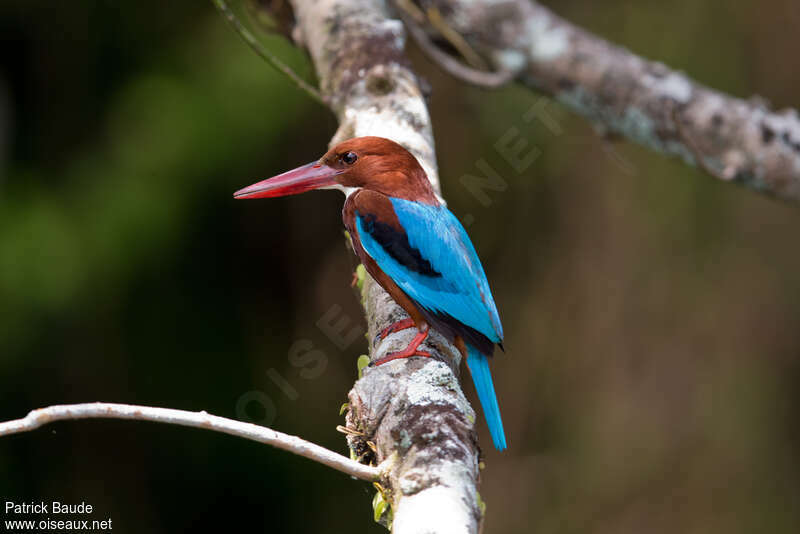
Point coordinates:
[[414, 247]]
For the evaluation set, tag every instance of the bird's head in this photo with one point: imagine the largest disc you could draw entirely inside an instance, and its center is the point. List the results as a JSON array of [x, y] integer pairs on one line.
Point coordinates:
[[371, 163]]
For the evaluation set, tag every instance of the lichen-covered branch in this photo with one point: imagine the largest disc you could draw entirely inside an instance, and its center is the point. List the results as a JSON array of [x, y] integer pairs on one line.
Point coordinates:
[[736, 140], [411, 412]]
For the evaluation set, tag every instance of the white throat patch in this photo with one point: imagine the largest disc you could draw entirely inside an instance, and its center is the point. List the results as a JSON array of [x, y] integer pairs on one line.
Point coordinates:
[[344, 189]]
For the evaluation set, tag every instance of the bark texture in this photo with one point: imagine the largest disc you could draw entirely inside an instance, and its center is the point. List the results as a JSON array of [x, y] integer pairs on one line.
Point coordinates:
[[736, 140], [411, 412]]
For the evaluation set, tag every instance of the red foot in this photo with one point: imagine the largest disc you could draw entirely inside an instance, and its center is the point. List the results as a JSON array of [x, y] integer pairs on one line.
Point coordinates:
[[410, 350], [403, 324]]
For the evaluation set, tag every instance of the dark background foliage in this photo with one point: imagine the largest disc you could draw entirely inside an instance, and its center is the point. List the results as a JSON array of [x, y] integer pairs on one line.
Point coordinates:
[[652, 312]]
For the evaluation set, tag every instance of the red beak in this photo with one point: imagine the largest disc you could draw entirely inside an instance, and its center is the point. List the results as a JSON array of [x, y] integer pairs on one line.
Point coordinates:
[[302, 179]]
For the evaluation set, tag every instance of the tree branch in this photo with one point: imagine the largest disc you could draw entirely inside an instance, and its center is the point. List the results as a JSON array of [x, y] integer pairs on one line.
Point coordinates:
[[733, 139], [412, 410], [104, 410]]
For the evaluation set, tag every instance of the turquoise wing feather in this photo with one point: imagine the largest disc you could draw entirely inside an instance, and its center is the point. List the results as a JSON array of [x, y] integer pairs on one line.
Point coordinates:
[[455, 284]]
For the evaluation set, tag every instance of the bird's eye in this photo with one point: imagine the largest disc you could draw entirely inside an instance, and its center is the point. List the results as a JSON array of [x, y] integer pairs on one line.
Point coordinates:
[[349, 157]]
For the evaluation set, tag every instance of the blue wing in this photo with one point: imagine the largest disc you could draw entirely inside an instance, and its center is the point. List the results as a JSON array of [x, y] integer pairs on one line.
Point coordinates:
[[441, 270]]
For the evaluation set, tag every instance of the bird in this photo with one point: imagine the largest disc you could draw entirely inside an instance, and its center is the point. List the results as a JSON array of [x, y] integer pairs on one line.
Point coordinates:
[[413, 247]]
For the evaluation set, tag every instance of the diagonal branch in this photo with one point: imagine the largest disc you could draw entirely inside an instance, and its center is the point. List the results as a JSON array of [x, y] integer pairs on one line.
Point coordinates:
[[105, 410], [735, 140]]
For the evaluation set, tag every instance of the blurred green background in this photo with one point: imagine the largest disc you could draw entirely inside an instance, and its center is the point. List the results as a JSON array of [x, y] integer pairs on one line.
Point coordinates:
[[653, 349]]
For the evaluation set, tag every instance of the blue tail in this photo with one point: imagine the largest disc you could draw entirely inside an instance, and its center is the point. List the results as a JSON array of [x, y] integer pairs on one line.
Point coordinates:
[[478, 365]]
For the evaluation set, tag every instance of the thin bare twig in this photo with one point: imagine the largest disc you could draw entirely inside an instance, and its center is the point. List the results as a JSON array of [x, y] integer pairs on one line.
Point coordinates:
[[454, 38], [265, 54], [104, 410], [410, 14]]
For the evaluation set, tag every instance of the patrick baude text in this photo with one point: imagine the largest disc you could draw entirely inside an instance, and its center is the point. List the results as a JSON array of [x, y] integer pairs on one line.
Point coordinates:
[[42, 507]]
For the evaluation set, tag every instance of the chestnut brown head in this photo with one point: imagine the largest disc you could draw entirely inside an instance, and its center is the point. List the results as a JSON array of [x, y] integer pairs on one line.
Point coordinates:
[[373, 163]]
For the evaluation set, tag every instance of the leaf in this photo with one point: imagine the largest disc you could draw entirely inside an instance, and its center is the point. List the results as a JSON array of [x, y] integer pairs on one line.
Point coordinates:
[[361, 272], [378, 506], [382, 510], [362, 362], [481, 504]]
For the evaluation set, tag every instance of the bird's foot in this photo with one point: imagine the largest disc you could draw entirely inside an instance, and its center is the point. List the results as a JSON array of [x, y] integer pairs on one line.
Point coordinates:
[[397, 326], [411, 350], [399, 356]]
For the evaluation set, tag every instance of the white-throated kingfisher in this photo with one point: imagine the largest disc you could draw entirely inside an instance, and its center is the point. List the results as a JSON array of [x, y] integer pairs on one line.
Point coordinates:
[[413, 246]]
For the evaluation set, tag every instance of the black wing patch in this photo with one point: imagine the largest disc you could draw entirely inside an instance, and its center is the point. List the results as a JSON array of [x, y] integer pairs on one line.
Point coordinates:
[[396, 244]]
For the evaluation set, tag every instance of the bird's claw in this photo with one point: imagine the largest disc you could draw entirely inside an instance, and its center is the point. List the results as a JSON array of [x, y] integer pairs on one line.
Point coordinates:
[[397, 326], [398, 356]]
